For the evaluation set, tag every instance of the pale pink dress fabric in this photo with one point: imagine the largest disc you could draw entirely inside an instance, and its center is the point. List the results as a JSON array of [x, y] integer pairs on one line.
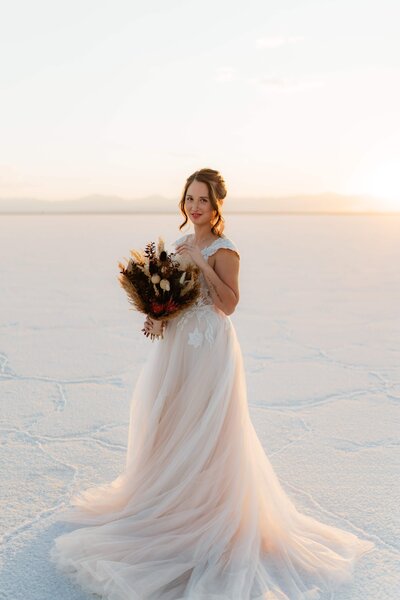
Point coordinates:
[[198, 512]]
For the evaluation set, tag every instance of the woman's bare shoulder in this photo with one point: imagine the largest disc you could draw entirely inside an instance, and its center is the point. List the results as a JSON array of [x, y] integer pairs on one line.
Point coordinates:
[[223, 243]]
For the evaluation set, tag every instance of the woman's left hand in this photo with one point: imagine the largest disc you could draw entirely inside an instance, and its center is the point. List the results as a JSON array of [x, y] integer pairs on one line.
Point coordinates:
[[194, 252], [153, 327]]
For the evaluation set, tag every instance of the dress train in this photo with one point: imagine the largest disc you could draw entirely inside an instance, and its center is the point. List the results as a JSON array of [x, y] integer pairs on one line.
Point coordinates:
[[198, 512]]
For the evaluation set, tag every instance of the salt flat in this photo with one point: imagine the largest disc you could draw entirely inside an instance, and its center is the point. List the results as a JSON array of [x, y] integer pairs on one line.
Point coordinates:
[[319, 326]]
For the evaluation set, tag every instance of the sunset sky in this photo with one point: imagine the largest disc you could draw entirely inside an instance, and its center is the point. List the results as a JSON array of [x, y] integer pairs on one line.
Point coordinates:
[[129, 98]]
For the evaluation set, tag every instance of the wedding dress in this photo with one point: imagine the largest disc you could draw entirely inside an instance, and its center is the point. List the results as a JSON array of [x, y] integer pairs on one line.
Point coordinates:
[[198, 512]]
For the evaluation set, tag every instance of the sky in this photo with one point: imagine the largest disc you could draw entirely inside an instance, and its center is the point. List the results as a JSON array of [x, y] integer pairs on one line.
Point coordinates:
[[129, 98]]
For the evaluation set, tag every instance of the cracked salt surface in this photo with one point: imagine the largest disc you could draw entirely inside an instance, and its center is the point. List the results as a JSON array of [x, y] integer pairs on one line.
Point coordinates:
[[319, 328]]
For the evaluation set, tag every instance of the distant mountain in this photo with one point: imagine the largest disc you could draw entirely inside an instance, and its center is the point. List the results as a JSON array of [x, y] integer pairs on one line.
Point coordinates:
[[99, 204], [88, 204]]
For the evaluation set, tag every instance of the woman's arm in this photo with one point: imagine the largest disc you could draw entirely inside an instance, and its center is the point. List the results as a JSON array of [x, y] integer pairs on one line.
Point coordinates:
[[223, 280]]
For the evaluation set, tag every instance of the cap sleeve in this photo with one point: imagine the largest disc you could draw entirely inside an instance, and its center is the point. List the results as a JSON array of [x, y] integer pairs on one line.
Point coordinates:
[[222, 242]]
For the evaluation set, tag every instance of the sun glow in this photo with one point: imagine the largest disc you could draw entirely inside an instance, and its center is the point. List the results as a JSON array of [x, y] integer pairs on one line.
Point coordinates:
[[382, 181]]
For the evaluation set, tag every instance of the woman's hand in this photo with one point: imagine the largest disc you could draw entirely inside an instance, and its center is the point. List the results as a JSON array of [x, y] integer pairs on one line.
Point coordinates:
[[153, 327], [221, 278], [194, 252]]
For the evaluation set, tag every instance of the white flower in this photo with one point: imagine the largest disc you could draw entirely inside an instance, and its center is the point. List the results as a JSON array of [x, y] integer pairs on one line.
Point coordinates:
[[195, 338], [164, 284], [155, 278]]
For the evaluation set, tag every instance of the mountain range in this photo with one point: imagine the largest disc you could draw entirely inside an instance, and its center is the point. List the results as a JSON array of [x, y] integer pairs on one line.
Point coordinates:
[[325, 203]]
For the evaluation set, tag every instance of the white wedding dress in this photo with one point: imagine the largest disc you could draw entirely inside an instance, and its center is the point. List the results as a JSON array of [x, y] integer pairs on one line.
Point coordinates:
[[198, 512]]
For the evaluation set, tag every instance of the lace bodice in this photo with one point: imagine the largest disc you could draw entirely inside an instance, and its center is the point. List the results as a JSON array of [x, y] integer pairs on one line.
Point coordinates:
[[221, 242]]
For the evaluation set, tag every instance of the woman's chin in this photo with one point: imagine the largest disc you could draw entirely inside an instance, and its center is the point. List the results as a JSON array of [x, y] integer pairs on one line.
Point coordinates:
[[198, 221]]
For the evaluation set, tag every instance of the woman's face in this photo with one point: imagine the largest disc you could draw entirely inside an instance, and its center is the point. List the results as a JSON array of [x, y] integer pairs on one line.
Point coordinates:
[[197, 203]]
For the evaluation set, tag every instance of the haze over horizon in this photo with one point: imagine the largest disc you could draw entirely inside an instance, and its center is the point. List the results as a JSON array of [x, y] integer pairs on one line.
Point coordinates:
[[286, 98], [329, 204]]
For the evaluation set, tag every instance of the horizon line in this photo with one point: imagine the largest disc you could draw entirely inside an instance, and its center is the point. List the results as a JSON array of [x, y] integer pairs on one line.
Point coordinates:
[[236, 212], [360, 195]]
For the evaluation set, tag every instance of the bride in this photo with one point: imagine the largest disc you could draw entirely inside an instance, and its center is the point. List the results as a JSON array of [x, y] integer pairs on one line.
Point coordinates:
[[198, 512]]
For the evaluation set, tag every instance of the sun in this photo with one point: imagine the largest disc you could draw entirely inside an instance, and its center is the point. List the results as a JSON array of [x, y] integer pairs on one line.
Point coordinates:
[[382, 181]]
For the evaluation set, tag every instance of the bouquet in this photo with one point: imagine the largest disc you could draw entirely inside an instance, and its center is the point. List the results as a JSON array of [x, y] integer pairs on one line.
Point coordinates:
[[158, 283]]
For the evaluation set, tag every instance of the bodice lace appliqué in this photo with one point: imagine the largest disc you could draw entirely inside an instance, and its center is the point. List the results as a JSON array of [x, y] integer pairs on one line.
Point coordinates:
[[221, 242], [205, 330]]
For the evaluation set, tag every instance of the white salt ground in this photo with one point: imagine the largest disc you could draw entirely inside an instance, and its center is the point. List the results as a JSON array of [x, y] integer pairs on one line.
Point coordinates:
[[319, 326]]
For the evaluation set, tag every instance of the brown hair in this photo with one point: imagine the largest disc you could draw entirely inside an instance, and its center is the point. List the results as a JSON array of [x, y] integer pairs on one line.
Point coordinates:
[[216, 192]]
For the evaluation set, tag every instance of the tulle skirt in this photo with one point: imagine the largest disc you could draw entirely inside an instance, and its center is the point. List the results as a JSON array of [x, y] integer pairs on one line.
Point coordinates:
[[198, 512]]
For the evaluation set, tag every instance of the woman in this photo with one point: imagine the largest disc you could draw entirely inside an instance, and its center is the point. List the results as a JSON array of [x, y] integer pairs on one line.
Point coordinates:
[[198, 512]]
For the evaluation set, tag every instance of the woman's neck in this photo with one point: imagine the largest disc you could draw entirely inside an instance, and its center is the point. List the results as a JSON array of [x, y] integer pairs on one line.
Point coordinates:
[[203, 234]]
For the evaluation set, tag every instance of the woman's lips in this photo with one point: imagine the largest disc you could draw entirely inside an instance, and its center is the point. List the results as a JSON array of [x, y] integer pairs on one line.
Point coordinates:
[[196, 215]]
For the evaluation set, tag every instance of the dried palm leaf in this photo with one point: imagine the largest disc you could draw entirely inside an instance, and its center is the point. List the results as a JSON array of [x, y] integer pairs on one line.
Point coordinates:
[[158, 283]]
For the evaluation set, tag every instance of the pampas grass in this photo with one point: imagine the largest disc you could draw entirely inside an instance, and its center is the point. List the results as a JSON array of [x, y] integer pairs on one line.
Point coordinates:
[[158, 283]]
